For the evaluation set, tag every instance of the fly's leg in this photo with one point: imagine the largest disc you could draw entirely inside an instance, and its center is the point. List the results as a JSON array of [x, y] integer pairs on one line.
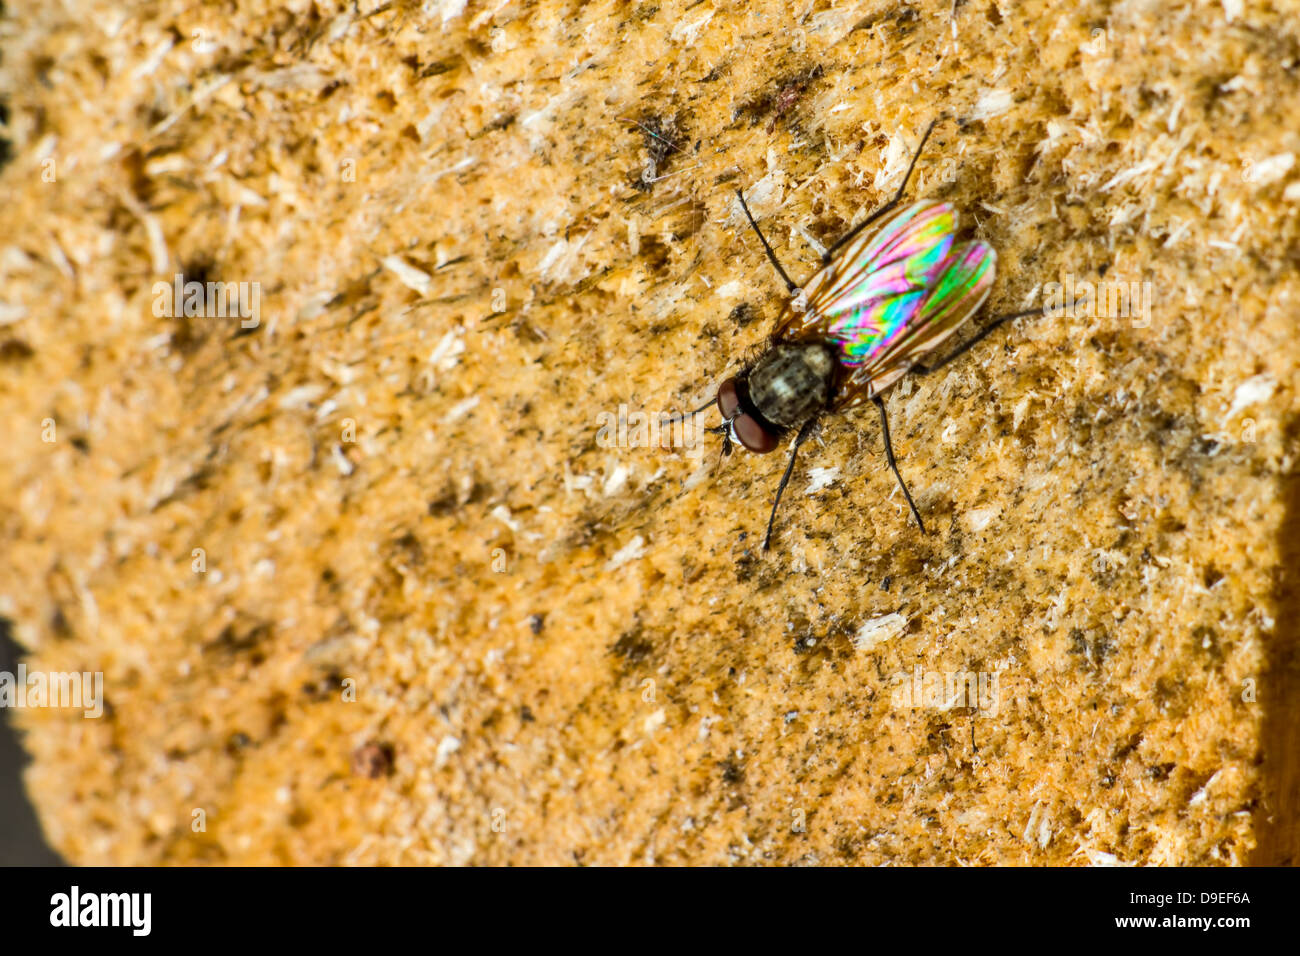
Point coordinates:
[[802, 437], [789, 284], [898, 197], [893, 465], [961, 349]]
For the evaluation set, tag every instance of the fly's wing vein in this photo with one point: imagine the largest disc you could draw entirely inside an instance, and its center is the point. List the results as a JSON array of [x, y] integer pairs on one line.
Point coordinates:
[[891, 296], [901, 256], [961, 288]]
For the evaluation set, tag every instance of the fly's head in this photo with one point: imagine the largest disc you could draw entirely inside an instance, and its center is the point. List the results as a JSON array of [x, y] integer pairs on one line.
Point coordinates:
[[785, 387], [741, 421]]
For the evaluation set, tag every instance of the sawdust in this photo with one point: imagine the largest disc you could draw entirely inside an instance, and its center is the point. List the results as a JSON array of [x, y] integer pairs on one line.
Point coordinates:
[[364, 585]]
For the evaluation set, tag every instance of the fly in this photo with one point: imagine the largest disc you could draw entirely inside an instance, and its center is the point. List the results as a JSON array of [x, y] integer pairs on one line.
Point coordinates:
[[881, 302]]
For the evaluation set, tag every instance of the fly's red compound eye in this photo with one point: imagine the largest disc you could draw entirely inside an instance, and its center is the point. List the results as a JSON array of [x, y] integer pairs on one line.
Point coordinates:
[[753, 435], [728, 399], [748, 432]]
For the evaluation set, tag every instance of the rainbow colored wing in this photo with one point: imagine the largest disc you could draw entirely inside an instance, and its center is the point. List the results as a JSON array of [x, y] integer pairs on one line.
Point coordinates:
[[890, 297]]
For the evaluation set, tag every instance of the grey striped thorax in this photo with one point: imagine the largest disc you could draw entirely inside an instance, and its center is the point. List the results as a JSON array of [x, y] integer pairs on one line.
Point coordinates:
[[791, 383]]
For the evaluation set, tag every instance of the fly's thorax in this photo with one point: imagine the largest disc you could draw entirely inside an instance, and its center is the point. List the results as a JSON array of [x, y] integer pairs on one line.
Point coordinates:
[[789, 384]]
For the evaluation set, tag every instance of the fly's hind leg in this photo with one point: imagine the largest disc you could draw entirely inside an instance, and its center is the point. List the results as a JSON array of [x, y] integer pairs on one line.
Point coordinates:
[[962, 349], [893, 465]]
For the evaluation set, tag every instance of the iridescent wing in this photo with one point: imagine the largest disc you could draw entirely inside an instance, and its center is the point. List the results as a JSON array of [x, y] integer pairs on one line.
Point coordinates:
[[890, 297], [959, 290]]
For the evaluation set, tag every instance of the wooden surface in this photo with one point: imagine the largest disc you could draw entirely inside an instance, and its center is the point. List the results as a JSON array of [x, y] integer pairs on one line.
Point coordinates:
[[438, 620]]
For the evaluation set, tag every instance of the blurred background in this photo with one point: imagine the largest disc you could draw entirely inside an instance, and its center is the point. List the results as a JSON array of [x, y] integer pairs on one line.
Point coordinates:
[[21, 842]]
